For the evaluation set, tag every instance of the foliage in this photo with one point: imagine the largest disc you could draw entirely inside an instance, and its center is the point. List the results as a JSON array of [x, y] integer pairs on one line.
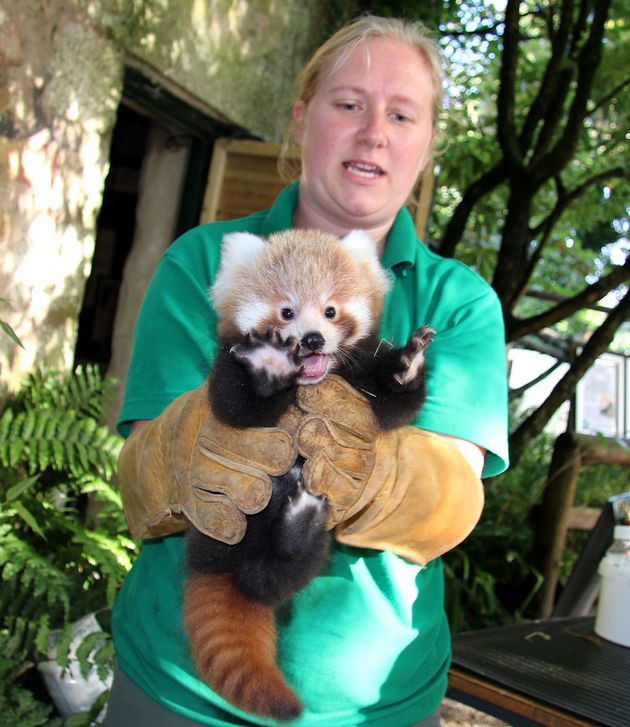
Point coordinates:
[[63, 544], [6, 328], [490, 578], [533, 171]]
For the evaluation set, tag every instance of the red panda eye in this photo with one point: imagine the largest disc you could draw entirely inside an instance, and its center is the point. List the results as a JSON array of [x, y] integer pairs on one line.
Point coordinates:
[[330, 312], [287, 314]]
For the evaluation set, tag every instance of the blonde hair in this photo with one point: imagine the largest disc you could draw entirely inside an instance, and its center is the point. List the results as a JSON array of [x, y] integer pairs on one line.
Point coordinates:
[[334, 52]]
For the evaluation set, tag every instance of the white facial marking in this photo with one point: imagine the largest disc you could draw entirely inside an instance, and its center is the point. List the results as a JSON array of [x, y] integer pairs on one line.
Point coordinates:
[[360, 311], [250, 315]]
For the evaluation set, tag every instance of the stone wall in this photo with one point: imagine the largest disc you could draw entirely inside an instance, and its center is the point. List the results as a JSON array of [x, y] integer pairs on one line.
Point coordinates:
[[61, 80]]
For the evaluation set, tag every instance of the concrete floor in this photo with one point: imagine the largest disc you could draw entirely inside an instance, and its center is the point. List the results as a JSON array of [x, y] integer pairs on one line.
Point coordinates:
[[455, 714]]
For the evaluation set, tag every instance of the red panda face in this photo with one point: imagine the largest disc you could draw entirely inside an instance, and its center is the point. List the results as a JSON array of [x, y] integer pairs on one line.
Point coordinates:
[[325, 293]]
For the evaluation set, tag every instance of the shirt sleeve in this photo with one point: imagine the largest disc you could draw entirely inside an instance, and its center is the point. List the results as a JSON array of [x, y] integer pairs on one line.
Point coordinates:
[[174, 341], [467, 376]]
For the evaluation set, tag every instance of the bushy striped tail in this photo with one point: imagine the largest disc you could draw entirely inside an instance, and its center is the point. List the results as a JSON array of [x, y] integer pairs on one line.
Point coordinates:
[[233, 642]]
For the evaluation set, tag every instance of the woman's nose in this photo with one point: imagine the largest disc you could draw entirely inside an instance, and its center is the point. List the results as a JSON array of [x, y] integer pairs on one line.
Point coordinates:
[[373, 130]]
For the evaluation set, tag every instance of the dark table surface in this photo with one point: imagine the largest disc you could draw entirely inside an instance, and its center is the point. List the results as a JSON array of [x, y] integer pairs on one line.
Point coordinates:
[[560, 662]]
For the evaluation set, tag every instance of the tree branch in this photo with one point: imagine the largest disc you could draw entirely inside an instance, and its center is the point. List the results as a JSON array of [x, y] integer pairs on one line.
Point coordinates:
[[597, 344], [481, 31], [609, 96], [506, 125], [516, 328], [588, 60], [475, 191], [546, 226], [566, 199], [547, 95], [515, 393]]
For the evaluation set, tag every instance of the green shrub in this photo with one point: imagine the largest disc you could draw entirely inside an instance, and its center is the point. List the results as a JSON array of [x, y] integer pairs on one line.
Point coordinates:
[[64, 548], [490, 578]]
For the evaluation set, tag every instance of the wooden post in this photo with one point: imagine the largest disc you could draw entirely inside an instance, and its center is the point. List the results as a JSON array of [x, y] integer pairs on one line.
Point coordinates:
[[571, 451], [555, 512]]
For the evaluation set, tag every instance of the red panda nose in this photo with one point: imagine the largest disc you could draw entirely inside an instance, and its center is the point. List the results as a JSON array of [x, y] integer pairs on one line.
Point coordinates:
[[313, 341]]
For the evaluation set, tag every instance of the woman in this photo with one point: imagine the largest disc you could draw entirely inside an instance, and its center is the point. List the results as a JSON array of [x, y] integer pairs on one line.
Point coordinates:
[[367, 641]]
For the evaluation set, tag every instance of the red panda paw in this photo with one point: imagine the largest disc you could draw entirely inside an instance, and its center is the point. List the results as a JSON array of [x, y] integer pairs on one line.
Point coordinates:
[[273, 363], [411, 369]]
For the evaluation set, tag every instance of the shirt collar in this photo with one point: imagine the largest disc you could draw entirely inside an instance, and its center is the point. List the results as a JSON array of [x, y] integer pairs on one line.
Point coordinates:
[[280, 215], [400, 249]]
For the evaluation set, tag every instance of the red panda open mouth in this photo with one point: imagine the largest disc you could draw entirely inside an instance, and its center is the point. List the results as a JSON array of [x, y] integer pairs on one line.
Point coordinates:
[[315, 367]]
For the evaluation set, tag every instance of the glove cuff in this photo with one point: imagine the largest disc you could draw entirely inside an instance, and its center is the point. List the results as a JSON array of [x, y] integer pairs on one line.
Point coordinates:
[[429, 499], [150, 496]]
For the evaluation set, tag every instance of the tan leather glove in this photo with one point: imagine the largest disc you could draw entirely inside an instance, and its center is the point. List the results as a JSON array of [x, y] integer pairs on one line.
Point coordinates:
[[336, 435], [406, 491], [187, 467], [428, 498]]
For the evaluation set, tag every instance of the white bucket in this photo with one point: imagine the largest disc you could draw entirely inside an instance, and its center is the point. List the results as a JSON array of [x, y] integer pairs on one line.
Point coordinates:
[[613, 610]]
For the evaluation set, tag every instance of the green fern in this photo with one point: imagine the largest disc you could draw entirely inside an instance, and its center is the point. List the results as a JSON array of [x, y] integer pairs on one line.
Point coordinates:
[[18, 708], [64, 441], [84, 392], [59, 559]]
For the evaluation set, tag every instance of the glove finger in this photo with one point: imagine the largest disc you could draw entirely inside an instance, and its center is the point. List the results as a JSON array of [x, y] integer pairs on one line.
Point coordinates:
[[341, 491], [335, 399], [247, 487], [216, 516], [350, 454], [269, 449]]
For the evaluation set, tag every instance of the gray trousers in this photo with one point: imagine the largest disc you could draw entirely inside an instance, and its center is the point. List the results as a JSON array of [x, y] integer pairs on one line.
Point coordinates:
[[129, 706]]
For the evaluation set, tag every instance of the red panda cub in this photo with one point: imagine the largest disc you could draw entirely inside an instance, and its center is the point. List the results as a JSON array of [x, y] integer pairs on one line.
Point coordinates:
[[292, 309]]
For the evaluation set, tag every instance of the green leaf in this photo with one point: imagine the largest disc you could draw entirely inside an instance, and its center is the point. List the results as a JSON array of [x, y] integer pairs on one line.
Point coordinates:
[[11, 333], [20, 488], [28, 519]]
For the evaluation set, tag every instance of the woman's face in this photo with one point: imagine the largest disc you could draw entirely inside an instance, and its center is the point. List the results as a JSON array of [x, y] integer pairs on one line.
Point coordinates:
[[365, 136]]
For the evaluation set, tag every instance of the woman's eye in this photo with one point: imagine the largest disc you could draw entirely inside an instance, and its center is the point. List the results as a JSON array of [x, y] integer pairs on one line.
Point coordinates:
[[330, 312], [287, 314]]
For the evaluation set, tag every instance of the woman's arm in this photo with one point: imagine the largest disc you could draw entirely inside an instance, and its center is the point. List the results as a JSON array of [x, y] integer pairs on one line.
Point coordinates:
[[474, 454]]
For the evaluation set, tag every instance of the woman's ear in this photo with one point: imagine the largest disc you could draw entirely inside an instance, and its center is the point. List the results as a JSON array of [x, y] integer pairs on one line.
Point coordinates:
[[299, 112]]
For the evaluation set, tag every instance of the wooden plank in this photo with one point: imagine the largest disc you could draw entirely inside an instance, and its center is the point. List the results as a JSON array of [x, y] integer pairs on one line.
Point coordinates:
[[603, 450], [583, 518], [514, 702], [243, 179], [425, 200], [215, 182]]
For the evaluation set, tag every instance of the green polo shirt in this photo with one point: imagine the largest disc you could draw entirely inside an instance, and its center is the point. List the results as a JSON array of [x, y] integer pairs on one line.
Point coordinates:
[[367, 642]]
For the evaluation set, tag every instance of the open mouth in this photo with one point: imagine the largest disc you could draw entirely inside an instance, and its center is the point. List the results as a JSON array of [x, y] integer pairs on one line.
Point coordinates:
[[315, 368], [363, 169]]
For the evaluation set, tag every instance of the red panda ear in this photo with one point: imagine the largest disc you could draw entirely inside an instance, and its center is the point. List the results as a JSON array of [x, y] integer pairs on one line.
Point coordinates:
[[360, 245], [362, 249], [239, 250]]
